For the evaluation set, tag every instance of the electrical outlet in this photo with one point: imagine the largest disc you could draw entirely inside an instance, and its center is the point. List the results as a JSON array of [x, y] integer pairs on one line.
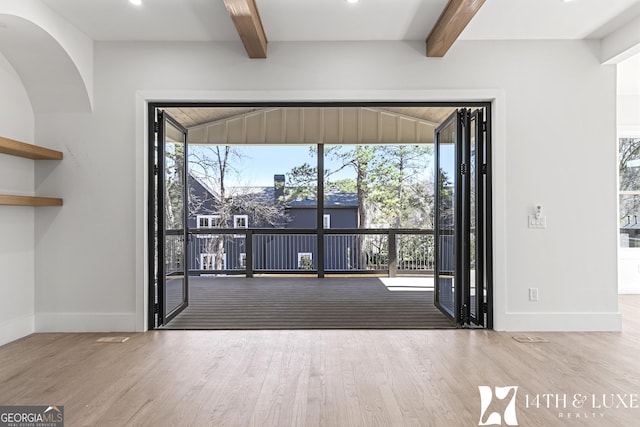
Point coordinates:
[[537, 222], [533, 294]]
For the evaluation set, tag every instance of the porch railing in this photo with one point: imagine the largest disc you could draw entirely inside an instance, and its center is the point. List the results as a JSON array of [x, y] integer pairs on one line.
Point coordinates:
[[284, 251]]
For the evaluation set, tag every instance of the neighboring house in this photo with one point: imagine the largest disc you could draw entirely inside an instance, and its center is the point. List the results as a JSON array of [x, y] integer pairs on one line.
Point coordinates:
[[630, 232], [265, 208]]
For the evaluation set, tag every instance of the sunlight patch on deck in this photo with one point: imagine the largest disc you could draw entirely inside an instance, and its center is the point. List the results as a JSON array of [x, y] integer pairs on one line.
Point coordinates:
[[414, 284]]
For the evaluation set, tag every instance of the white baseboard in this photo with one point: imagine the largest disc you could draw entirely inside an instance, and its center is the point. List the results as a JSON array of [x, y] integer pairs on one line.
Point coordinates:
[[16, 328], [562, 322], [85, 322]]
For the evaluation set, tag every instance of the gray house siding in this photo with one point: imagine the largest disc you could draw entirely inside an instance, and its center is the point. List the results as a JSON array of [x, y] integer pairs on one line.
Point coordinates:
[[275, 252]]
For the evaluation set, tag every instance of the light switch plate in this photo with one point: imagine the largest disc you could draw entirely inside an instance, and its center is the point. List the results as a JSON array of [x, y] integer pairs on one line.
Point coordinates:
[[537, 222]]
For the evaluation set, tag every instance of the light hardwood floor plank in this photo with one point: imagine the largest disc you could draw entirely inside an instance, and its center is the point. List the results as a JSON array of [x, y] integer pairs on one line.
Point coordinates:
[[318, 377]]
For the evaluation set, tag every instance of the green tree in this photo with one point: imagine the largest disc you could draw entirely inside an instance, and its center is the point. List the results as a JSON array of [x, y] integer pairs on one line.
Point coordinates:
[[390, 184], [399, 191]]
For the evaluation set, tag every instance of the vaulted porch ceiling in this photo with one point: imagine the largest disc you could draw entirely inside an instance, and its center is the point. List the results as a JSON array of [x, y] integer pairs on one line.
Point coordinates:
[[194, 116], [310, 125]]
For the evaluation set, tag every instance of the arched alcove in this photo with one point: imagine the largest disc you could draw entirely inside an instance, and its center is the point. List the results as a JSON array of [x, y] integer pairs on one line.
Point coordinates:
[[50, 76]]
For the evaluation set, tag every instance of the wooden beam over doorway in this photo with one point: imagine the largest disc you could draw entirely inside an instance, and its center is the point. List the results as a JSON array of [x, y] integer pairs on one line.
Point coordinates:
[[454, 18], [246, 18]]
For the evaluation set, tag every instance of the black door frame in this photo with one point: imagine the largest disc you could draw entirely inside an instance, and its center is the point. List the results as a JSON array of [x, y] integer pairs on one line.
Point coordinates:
[[475, 314], [153, 107]]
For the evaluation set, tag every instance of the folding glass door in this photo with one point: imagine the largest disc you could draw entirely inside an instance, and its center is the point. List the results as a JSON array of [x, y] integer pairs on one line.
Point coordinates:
[[461, 246]]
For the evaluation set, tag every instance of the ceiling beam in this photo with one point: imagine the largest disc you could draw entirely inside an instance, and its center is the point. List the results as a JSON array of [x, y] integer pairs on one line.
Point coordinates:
[[246, 18], [454, 18]]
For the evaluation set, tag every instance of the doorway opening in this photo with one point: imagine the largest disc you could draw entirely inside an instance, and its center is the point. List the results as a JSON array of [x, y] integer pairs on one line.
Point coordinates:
[[405, 191]]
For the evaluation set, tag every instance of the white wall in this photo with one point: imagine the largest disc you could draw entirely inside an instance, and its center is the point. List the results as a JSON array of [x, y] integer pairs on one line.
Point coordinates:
[[16, 223], [554, 142]]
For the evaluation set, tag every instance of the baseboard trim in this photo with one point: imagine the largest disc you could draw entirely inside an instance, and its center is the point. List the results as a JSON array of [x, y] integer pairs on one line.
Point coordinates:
[[16, 328], [85, 322], [563, 322]]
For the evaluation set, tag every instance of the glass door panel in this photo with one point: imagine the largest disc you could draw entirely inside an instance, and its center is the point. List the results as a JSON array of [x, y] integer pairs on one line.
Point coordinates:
[[446, 206], [172, 193], [476, 292]]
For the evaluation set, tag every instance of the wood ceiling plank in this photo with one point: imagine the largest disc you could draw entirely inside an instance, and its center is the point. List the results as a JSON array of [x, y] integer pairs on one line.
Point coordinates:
[[246, 18], [454, 18]]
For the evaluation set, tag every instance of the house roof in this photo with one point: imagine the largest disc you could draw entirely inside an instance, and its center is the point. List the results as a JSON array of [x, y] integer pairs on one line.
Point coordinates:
[[333, 199]]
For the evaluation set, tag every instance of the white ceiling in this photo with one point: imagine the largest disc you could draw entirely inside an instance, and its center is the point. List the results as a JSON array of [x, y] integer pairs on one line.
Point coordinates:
[[324, 20]]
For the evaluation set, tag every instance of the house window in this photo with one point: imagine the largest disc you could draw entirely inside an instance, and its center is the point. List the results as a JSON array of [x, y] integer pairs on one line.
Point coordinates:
[[326, 221], [207, 221], [208, 262], [240, 221], [305, 260]]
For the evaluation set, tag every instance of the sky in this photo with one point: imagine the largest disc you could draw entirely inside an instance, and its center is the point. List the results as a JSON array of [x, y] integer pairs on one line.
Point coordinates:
[[264, 162], [260, 163]]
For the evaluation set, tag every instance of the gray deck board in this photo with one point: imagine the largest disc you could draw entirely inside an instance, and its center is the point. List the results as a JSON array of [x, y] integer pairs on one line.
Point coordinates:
[[305, 303]]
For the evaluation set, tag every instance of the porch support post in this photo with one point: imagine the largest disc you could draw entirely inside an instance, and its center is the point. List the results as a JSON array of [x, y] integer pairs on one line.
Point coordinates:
[[249, 253], [393, 254], [320, 211]]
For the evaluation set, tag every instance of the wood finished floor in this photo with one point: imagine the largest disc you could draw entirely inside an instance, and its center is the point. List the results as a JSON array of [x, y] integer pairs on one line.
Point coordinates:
[[320, 377]]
